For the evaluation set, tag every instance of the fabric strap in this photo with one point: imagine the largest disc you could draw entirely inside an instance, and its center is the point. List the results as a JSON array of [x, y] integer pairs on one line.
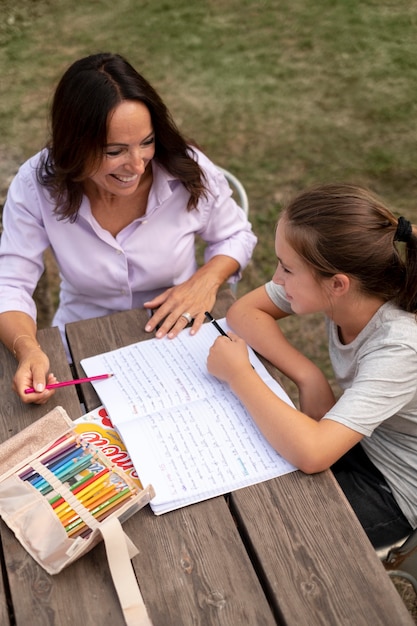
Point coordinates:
[[118, 546]]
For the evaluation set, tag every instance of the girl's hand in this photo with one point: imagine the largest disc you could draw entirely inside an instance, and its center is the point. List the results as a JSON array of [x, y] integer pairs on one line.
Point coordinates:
[[228, 358]]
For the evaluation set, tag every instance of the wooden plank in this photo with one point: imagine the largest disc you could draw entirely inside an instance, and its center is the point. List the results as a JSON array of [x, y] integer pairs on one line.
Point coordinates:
[[193, 569], [313, 555], [4, 602]]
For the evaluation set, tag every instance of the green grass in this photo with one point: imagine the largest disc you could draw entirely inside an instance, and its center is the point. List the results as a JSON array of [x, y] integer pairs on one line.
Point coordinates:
[[284, 93]]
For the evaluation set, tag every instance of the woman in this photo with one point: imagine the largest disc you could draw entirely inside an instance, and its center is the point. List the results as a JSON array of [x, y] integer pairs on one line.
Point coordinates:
[[339, 253], [119, 196]]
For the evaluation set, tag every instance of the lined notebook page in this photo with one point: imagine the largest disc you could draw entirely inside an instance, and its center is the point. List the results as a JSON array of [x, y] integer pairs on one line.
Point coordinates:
[[186, 432]]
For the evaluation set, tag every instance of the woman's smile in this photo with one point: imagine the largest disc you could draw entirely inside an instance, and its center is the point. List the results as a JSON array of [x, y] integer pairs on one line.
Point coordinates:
[[126, 179]]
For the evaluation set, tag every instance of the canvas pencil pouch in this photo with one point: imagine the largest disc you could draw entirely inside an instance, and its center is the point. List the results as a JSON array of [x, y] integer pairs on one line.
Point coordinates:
[[61, 496]]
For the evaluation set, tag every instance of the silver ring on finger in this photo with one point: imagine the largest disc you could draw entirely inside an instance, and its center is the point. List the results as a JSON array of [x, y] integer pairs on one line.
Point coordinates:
[[188, 317]]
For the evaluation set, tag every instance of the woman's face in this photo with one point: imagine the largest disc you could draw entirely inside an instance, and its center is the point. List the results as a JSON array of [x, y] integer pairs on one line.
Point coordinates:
[[130, 147]]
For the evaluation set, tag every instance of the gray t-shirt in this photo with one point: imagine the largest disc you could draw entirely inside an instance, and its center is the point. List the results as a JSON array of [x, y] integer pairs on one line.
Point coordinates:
[[377, 372]]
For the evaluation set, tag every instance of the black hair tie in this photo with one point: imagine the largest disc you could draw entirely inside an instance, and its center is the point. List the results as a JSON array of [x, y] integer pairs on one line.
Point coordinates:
[[404, 230]]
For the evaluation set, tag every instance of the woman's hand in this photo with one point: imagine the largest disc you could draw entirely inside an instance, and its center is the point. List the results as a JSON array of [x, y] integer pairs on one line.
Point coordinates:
[[228, 358], [176, 307], [32, 371]]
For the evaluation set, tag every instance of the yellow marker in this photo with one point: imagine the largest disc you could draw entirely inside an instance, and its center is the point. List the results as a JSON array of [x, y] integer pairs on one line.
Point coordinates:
[[112, 503], [103, 494], [92, 487], [68, 519]]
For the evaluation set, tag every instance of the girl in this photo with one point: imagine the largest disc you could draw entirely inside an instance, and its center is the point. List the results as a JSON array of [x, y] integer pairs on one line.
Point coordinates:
[[339, 251]]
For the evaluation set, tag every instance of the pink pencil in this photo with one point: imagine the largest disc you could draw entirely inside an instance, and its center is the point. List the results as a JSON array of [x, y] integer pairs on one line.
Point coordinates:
[[76, 381]]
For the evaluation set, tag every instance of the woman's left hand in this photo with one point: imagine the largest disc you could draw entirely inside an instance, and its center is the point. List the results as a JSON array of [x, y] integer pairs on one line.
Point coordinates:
[[179, 306], [187, 303]]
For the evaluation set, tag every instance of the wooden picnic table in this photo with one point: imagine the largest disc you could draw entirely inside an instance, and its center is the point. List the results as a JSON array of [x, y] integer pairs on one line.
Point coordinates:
[[288, 551]]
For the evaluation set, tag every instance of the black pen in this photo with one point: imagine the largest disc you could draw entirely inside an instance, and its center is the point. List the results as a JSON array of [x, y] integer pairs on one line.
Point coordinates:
[[213, 321], [219, 328]]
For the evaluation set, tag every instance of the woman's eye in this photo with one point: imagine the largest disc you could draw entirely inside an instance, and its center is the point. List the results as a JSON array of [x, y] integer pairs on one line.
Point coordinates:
[[113, 153], [148, 142]]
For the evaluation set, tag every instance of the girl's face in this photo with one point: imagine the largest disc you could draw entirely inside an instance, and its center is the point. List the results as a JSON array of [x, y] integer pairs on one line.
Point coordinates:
[[130, 147], [304, 293]]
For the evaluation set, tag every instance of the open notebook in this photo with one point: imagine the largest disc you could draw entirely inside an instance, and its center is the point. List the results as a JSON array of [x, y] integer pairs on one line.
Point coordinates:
[[186, 432]]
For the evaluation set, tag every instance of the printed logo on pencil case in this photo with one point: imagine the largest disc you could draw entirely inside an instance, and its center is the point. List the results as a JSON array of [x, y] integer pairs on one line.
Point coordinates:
[[105, 419], [97, 428]]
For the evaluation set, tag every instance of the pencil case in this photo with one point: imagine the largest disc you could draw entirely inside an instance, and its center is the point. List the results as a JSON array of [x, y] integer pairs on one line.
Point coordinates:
[[61, 496]]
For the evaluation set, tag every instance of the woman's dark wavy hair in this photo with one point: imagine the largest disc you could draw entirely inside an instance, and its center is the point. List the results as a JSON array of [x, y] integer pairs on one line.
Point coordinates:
[[342, 228], [87, 92]]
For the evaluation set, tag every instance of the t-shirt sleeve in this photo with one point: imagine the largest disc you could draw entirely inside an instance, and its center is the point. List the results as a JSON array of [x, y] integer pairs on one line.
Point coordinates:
[[384, 384], [277, 295]]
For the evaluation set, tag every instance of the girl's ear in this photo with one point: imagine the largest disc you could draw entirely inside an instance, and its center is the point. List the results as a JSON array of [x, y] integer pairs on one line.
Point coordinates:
[[340, 284]]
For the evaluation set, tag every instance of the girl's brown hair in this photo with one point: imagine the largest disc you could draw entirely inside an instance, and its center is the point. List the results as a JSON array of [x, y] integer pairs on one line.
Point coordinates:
[[342, 228]]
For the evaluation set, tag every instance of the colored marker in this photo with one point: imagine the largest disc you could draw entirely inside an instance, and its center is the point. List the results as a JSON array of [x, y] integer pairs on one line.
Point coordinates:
[[77, 467], [95, 486], [57, 465], [103, 508], [63, 454], [75, 381]]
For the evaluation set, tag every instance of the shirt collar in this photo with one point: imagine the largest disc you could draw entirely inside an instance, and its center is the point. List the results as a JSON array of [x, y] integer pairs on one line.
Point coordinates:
[[163, 184]]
